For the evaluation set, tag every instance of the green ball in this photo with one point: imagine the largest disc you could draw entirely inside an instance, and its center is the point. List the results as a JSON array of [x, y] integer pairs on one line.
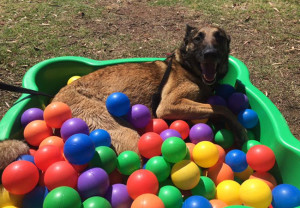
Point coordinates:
[[206, 188], [167, 182], [224, 138], [96, 201], [62, 197], [248, 144], [251, 135], [160, 167], [173, 149], [104, 158], [128, 162], [171, 196]]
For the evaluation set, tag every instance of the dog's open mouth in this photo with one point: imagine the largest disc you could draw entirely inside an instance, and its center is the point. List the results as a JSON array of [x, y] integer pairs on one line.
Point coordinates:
[[209, 72]]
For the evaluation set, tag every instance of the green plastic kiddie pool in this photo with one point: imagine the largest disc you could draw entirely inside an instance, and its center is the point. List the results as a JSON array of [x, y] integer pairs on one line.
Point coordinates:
[[51, 75]]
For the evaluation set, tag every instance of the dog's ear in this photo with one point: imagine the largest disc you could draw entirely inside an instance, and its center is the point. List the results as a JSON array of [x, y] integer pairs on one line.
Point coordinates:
[[188, 32], [228, 41]]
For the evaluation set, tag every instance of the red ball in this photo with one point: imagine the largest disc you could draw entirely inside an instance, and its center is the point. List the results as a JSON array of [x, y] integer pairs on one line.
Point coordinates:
[[46, 156], [156, 125], [260, 158], [60, 173], [20, 177], [182, 127], [142, 182], [36, 131], [149, 145]]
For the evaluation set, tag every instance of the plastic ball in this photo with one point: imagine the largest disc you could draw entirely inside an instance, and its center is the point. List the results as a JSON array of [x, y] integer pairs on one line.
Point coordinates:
[[72, 79], [190, 146], [149, 145], [36, 131], [255, 193], [30, 115], [229, 192], [221, 154], [7, 198], [248, 118], [147, 201], [168, 133], [196, 202], [20, 177], [236, 159], [224, 138], [220, 172], [237, 102], [224, 90], [160, 167], [60, 173], [248, 144], [46, 156], [185, 174], [251, 135], [79, 149], [118, 104], [56, 113], [53, 140], [205, 154], [216, 203], [156, 125], [206, 187], [96, 201], [93, 182], [139, 116], [285, 196], [118, 196], [104, 158], [260, 158], [128, 162], [73, 126], [62, 197], [35, 198], [142, 182], [171, 196], [100, 137], [217, 100], [174, 149], [244, 175], [266, 177], [201, 132], [28, 158], [182, 127]]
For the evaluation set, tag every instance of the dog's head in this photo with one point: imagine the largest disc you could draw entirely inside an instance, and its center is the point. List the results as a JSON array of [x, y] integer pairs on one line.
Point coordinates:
[[205, 51]]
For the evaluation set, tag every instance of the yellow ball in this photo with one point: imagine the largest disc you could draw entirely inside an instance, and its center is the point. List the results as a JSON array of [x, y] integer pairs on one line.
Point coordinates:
[[244, 175], [9, 200], [205, 154], [185, 174], [228, 191], [255, 193], [196, 121], [72, 79]]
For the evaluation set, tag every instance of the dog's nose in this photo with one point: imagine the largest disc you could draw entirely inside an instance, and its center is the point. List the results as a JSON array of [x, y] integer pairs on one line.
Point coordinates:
[[210, 53]]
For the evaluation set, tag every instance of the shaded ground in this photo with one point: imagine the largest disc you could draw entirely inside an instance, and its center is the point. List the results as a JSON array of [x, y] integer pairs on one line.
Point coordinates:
[[269, 46]]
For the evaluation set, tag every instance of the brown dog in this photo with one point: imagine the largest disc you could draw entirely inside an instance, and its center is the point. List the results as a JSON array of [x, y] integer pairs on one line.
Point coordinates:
[[201, 60]]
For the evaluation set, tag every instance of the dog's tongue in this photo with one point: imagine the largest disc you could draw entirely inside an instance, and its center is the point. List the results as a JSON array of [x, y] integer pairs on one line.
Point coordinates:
[[209, 71]]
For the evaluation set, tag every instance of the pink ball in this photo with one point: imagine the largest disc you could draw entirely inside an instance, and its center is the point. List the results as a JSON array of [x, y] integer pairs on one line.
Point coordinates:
[[149, 145]]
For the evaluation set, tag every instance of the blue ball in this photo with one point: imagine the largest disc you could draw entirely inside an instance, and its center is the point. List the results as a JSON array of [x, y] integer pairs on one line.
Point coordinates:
[[196, 202], [100, 137], [118, 104], [29, 158], [225, 90], [35, 198], [285, 196], [248, 118], [236, 159], [79, 149]]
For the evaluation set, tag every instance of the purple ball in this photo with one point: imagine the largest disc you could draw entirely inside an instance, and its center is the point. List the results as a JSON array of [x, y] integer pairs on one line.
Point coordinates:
[[118, 196], [139, 116], [169, 133], [217, 100], [73, 126], [237, 102], [30, 115], [93, 182], [201, 132]]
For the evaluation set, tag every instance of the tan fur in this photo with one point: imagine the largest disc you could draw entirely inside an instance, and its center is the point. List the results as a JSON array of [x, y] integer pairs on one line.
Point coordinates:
[[181, 96]]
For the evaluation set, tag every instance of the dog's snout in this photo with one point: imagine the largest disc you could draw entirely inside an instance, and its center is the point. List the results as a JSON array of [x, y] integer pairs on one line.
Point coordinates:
[[210, 53]]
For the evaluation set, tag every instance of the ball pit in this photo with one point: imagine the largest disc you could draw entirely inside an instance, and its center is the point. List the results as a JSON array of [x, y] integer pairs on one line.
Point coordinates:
[[128, 162], [205, 154], [174, 149], [150, 144], [104, 158], [248, 118], [73, 126], [46, 156], [228, 191], [160, 167], [182, 127], [236, 159], [36, 131], [171, 196], [31, 114], [56, 113], [206, 188], [201, 132]]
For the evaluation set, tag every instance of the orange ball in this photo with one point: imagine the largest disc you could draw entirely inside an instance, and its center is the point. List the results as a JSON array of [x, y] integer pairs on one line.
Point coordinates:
[[147, 201], [182, 127], [53, 140], [267, 177], [36, 131], [216, 203], [56, 113], [190, 147], [220, 172], [221, 154]]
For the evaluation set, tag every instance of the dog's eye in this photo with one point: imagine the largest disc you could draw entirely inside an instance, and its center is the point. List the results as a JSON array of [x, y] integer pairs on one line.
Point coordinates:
[[199, 37]]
